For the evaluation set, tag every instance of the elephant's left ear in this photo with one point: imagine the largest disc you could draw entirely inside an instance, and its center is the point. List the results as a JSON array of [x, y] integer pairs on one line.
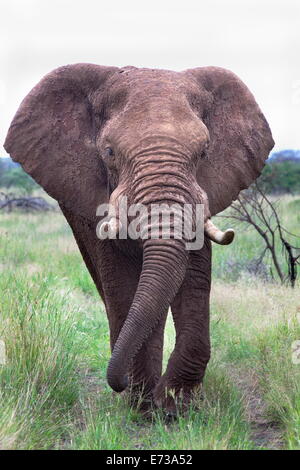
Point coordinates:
[[53, 136], [240, 137]]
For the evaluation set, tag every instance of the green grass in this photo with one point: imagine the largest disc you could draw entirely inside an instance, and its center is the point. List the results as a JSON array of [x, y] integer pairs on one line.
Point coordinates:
[[53, 390]]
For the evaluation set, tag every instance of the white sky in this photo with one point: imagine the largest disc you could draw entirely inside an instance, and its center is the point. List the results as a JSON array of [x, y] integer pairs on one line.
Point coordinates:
[[259, 40]]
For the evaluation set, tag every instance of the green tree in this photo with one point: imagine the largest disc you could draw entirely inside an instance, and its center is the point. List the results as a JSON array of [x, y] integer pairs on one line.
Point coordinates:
[[281, 177], [17, 178]]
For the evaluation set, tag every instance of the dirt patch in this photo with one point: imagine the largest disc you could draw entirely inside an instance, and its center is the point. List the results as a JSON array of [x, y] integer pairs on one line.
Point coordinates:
[[264, 433], [66, 245], [33, 268], [90, 389]]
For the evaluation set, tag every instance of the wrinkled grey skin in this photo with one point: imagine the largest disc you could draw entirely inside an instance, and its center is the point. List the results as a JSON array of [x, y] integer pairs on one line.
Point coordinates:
[[88, 134]]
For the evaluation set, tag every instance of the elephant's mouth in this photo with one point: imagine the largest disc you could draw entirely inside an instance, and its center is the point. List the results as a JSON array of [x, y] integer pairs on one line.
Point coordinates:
[[113, 225]]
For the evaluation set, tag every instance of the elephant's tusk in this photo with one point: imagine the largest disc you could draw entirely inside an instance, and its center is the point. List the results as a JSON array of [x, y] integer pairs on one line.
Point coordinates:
[[113, 226], [216, 235]]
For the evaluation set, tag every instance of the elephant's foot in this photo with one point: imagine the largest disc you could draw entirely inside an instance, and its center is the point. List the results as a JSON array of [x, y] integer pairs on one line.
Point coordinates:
[[175, 399]]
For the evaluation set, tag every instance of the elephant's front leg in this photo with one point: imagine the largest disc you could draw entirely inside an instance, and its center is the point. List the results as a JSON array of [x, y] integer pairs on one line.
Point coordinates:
[[190, 310], [146, 369], [120, 274]]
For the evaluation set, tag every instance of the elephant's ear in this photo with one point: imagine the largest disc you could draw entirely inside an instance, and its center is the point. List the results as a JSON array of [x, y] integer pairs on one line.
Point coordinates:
[[240, 137], [53, 136]]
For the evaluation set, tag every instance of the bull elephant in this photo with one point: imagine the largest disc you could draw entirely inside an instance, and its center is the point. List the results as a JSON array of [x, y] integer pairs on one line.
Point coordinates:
[[89, 134]]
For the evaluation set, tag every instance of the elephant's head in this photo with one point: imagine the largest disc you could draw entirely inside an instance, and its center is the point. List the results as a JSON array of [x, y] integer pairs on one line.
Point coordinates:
[[198, 136]]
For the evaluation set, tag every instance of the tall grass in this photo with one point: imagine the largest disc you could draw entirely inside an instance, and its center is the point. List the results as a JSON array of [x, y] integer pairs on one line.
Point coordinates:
[[38, 382]]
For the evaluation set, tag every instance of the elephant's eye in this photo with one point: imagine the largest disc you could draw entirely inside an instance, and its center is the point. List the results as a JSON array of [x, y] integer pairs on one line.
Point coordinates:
[[108, 152], [204, 153]]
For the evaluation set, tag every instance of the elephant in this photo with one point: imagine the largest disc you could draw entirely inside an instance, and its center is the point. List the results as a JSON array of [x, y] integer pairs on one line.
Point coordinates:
[[89, 134]]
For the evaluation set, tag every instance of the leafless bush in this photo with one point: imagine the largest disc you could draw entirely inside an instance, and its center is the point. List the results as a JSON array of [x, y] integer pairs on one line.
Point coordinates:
[[10, 201], [232, 269], [254, 207]]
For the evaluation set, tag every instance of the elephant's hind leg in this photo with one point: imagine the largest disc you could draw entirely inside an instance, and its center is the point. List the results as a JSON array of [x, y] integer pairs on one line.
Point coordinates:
[[190, 310]]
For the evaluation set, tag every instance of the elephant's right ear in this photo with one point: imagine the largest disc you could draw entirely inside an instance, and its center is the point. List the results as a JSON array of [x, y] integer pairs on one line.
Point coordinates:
[[53, 136]]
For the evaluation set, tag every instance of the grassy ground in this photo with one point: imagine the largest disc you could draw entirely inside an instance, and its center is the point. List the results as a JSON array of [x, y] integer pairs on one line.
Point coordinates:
[[53, 392]]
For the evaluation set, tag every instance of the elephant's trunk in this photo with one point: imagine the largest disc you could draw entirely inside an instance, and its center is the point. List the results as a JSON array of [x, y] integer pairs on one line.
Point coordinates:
[[164, 267]]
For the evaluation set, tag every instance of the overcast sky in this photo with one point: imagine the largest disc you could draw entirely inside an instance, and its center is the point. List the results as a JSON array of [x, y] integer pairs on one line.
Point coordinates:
[[259, 40]]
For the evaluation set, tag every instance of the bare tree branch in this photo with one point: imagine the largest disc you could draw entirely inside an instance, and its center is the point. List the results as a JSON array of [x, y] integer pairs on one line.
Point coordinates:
[[255, 208], [10, 202]]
